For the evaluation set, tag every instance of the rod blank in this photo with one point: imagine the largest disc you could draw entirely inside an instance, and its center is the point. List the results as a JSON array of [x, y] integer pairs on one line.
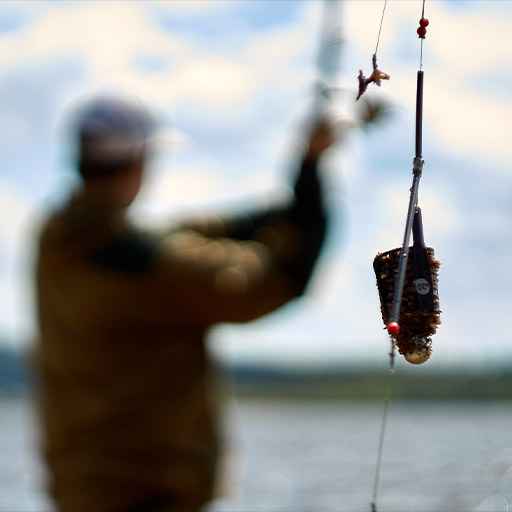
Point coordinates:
[[419, 114], [413, 203]]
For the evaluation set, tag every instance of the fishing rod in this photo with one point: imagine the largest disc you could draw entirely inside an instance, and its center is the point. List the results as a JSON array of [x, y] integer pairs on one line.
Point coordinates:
[[407, 277], [328, 62]]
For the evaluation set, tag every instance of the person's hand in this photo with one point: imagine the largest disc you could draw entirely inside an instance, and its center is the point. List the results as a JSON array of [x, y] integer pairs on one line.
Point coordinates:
[[373, 112], [322, 136]]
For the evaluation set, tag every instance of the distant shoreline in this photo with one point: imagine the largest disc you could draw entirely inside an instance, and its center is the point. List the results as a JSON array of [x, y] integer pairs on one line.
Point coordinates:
[[343, 382], [361, 384]]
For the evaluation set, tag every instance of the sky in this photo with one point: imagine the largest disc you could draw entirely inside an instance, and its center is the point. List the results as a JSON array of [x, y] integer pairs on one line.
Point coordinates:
[[232, 85]]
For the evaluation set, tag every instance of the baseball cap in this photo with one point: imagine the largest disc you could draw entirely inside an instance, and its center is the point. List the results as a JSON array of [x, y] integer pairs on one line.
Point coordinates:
[[112, 129]]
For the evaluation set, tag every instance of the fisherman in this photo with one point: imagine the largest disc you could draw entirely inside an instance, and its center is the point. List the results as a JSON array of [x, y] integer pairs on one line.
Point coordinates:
[[127, 398]]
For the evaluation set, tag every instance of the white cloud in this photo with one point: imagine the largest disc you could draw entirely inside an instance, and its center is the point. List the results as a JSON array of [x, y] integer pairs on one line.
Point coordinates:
[[462, 118], [192, 73], [191, 7], [465, 41], [440, 214], [174, 191], [16, 213], [462, 46], [470, 123], [215, 81], [17, 228], [272, 68], [468, 41]]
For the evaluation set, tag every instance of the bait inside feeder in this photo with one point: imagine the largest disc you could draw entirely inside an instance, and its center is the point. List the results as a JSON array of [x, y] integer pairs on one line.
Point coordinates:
[[421, 352]]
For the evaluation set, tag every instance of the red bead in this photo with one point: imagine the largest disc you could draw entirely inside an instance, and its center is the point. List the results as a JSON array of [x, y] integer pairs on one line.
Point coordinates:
[[424, 22], [393, 328], [422, 32]]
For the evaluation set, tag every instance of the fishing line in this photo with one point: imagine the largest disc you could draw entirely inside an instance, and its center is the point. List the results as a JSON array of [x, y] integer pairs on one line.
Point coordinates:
[[377, 75], [422, 38], [411, 324], [383, 426], [380, 27]]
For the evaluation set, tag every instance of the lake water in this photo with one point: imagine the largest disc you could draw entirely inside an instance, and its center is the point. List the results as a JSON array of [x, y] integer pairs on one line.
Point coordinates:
[[320, 457]]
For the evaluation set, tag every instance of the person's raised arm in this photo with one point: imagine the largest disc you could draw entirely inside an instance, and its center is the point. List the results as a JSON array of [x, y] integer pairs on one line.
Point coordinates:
[[234, 274], [294, 232]]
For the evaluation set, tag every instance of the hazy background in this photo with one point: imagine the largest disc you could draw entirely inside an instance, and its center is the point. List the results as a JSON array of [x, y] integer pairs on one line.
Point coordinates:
[[232, 84], [232, 81]]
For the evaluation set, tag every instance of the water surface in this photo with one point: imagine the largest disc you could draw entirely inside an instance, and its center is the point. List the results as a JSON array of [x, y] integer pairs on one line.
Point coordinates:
[[314, 457]]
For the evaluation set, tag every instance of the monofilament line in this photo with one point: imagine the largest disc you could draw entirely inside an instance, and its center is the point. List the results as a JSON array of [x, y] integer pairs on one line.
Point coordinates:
[[421, 41], [383, 426], [380, 27]]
